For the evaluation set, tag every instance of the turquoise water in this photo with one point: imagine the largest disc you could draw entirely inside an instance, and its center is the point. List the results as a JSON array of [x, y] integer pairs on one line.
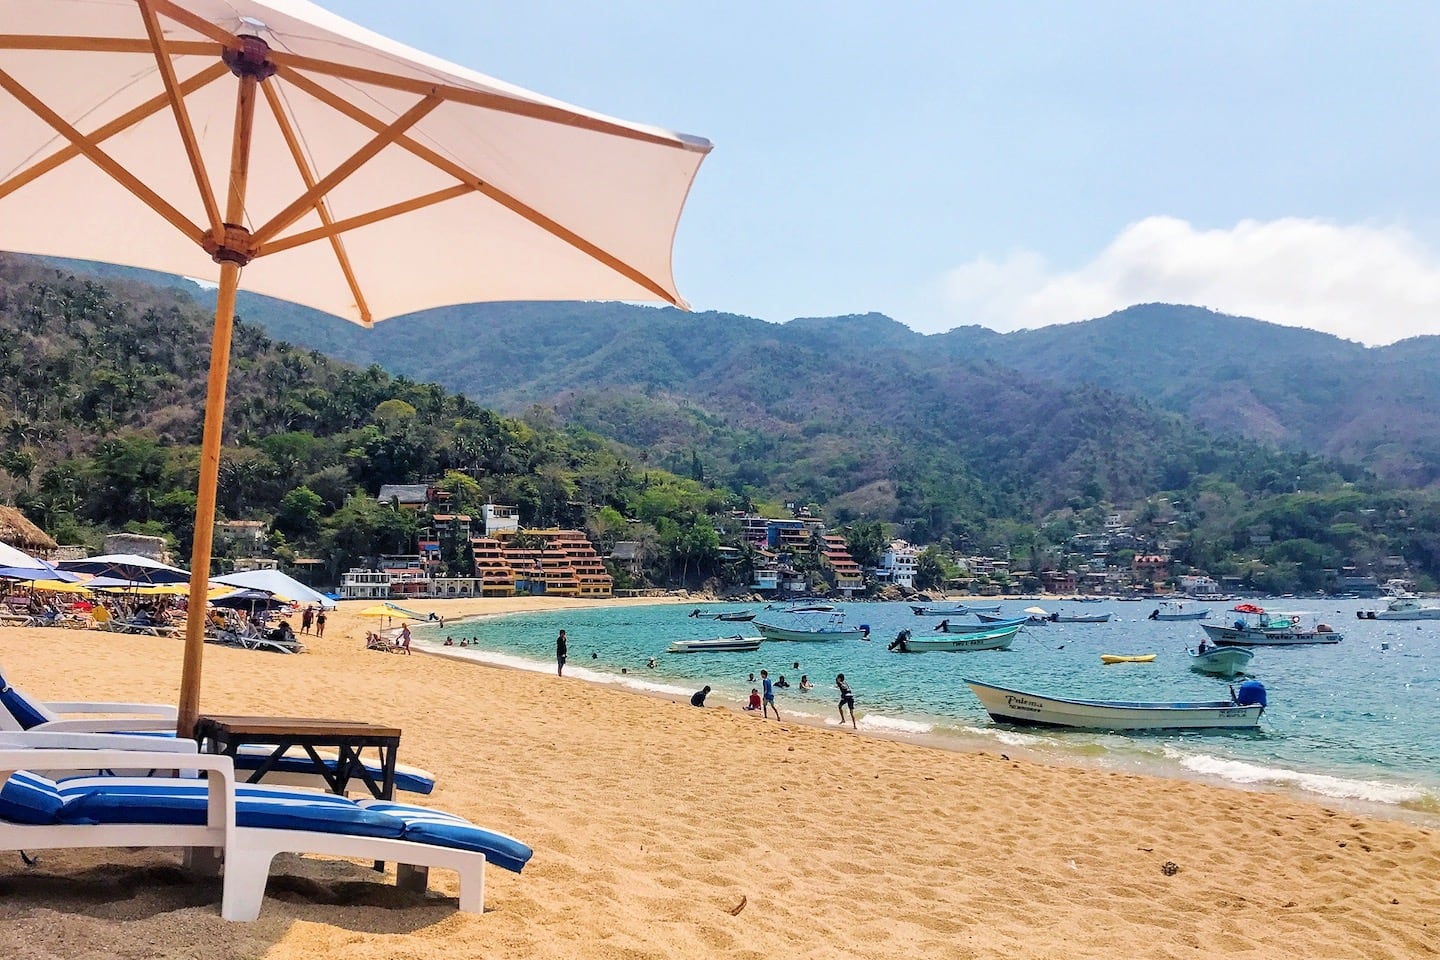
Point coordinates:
[[1356, 722]]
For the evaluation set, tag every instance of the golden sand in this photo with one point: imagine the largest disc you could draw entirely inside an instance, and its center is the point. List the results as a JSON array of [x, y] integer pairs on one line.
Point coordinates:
[[662, 831]]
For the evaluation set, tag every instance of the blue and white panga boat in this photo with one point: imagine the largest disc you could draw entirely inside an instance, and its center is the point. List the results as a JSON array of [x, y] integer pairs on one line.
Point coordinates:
[[1041, 710]]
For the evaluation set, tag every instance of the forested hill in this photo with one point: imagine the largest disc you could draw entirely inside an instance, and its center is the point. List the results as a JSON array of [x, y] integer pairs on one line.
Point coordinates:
[[1378, 408], [850, 413]]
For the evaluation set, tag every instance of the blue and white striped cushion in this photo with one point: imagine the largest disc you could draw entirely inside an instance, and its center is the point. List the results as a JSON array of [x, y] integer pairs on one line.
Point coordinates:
[[30, 798], [407, 778], [440, 829], [125, 800]]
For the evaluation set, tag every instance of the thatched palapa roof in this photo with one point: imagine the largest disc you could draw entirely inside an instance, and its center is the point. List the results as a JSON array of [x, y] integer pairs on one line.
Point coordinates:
[[20, 533]]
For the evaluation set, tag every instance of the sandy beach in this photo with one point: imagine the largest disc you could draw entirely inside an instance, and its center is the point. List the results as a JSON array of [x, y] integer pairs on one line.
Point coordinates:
[[661, 830]]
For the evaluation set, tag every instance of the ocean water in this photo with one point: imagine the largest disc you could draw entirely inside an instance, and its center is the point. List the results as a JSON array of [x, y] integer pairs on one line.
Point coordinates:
[[1353, 724]]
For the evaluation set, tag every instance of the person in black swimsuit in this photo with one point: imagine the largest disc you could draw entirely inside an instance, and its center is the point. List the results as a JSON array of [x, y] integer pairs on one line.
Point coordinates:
[[847, 699], [697, 699]]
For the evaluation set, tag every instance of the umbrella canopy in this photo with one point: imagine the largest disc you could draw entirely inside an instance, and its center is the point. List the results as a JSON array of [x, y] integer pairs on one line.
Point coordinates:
[[349, 172], [248, 600], [385, 610], [273, 581], [59, 586], [19, 565], [138, 570], [1036, 611]]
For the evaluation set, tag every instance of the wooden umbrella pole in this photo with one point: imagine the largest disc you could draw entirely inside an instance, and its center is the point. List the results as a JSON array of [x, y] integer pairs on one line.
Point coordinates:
[[189, 706], [231, 251]]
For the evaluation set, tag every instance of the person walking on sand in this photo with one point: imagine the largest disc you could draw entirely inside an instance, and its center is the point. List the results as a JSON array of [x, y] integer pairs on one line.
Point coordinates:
[[404, 638], [306, 619], [847, 699], [562, 653], [320, 622], [768, 699]]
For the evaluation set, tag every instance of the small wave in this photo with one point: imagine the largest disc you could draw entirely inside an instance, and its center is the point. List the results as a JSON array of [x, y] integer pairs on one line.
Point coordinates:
[[1325, 785], [633, 681], [884, 724]]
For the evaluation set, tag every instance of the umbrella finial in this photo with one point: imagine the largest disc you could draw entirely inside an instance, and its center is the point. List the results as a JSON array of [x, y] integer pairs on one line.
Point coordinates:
[[250, 59]]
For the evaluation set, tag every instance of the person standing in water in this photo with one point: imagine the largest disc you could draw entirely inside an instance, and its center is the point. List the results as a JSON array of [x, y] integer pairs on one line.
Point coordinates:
[[847, 699], [768, 699], [562, 653]]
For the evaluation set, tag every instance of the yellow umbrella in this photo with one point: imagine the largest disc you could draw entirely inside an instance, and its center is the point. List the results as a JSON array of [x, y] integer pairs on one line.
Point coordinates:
[[381, 610], [59, 586]]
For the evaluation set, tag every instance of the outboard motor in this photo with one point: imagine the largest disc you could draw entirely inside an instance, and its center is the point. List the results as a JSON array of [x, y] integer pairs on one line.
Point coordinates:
[[1250, 693], [864, 631]]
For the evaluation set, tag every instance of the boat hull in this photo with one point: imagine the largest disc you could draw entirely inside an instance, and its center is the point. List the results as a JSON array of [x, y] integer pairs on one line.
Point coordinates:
[[1197, 615], [954, 610], [1082, 618], [717, 645], [992, 640], [983, 626], [1109, 658], [801, 635], [1222, 661], [1249, 637], [1036, 710]]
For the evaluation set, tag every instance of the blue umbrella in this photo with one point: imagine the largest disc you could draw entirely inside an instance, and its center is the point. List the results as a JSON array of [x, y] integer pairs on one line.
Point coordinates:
[[128, 566]]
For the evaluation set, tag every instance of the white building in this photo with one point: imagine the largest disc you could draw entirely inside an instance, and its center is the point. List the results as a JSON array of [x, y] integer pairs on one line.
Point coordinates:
[[1197, 586], [500, 519], [897, 564], [358, 583]]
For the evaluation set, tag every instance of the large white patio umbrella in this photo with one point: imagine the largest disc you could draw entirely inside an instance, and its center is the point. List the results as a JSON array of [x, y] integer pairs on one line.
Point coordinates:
[[343, 170]]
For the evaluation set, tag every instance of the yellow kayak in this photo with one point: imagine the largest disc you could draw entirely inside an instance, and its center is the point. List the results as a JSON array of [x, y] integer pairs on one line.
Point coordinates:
[[1132, 658]]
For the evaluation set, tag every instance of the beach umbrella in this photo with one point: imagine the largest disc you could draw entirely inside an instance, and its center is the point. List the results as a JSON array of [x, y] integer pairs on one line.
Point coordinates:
[[137, 570], [1036, 611], [343, 170], [273, 581], [58, 586], [385, 610], [16, 564], [251, 600]]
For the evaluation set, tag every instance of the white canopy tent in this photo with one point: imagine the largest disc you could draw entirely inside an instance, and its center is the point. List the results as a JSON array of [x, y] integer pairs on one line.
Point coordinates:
[[277, 583]]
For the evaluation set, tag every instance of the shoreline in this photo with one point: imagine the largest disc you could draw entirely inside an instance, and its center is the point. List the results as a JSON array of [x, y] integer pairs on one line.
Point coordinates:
[[661, 830], [938, 733]]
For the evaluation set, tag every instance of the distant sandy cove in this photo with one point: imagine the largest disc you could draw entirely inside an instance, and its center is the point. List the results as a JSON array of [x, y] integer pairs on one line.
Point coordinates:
[[665, 831]]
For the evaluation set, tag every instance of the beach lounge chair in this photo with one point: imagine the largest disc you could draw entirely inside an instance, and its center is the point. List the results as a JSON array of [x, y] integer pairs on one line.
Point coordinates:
[[21, 712], [251, 824]]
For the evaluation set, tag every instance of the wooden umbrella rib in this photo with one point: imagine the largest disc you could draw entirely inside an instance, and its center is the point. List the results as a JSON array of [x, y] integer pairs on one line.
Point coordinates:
[[199, 24], [355, 161], [475, 98], [182, 116], [15, 41], [121, 123], [101, 159], [337, 244], [338, 227], [511, 203]]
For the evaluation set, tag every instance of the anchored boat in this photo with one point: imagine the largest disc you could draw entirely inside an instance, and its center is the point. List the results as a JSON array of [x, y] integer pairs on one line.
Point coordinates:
[[806, 628], [992, 639], [1034, 709], [717, 645]]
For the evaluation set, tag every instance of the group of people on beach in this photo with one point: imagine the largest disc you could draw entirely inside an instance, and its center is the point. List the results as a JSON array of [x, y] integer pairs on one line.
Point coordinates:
[[313, 617], [762, 698]]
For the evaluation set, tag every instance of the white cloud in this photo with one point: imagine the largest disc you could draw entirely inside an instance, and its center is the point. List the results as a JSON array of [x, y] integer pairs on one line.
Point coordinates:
[[1366, 283]]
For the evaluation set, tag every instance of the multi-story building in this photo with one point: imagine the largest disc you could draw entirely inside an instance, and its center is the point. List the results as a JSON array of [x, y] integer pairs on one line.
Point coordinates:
[[492, 569], [848, 578], [897, 564], [357, 583]]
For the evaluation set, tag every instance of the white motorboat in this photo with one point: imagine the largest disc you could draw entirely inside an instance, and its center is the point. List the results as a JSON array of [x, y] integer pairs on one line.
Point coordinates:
[[1221, 661], [1178, 610], [943, 610], [717, 645], [1404, 607], [1032, 709], [1254, 626], [996, 638]]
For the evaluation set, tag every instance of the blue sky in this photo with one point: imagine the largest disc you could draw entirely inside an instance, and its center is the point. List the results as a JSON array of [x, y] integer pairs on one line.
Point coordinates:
[[1013, 164]]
